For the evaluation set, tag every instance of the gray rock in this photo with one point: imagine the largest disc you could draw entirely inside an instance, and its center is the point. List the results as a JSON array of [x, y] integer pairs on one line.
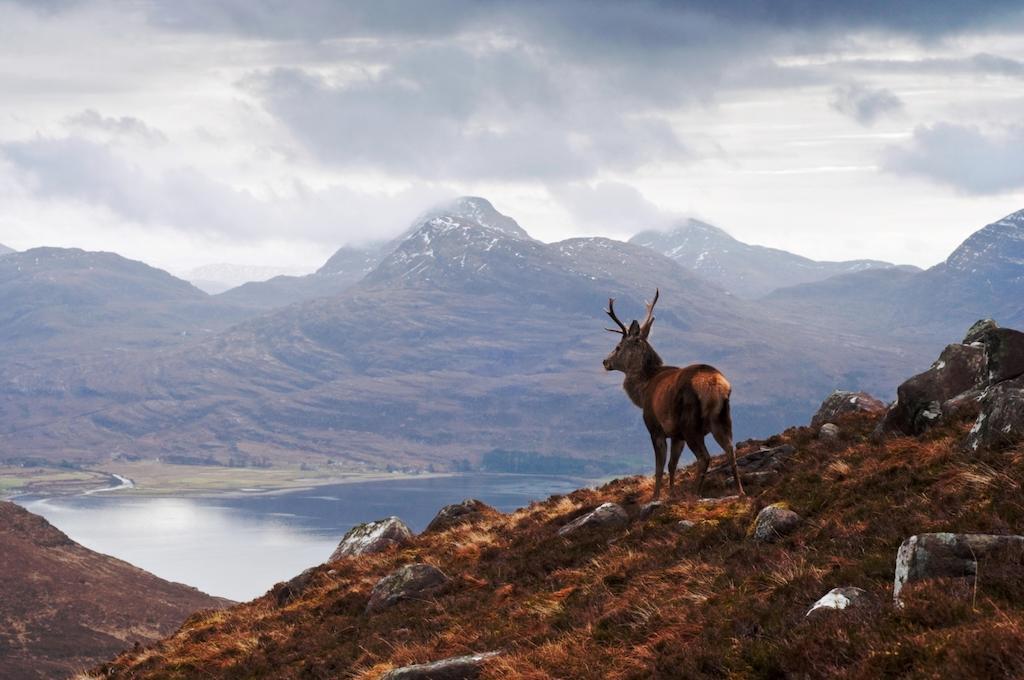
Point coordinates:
[[649, 509], [839, 598], [918, 405], [764, 460], [1000, 422], [718, 500], [685, 525], [288, 591], [978, 331], [373, 537], [952, 555], [829, 432], [841, 403], [455, 514], [603, 516], [455, 668], [774, 522], [1005, 349], [410, 581]]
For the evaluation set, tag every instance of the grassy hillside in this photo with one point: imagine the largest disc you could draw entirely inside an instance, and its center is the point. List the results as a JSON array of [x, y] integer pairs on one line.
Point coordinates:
[[655, 600]]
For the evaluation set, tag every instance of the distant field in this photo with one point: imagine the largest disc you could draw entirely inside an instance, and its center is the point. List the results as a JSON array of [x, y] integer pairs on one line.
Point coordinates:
[[155, 478]]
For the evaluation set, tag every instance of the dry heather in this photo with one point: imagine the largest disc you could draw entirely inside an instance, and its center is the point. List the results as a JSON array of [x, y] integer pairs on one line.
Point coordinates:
[[654, 601]]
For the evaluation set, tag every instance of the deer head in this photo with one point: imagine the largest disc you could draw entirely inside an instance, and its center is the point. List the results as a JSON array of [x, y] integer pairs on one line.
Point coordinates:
[[634, 353]]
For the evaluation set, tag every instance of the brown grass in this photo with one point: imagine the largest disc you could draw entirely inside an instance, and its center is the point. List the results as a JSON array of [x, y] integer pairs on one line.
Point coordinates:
[[652, 601]]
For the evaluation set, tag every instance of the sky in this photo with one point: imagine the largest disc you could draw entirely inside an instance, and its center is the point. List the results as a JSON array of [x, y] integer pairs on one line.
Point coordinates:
[[271, 132]]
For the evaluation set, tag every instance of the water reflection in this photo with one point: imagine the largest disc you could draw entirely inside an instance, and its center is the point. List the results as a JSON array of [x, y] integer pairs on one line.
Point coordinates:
[[237, 547]]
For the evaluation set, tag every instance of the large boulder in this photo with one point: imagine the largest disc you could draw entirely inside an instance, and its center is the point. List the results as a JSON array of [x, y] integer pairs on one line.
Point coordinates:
[[373, 537], [455, 668], [1005, 349], [410, 581], [455, 514], [755, 466], [839, 598], [288, 591], [603, 516], [774, 522], [918, 405], [841, 403], [1001, 420], [944, 555]]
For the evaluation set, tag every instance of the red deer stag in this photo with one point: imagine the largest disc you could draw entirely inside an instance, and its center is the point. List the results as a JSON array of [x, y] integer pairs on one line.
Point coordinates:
[[681, 404]]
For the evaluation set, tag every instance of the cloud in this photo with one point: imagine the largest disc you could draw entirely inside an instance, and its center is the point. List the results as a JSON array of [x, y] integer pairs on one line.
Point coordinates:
[[125, 126], [962, 156], [611, 207], [864, 104], [183, 198]]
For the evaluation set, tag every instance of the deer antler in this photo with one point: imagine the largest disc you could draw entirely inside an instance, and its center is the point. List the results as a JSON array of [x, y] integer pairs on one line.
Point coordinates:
[[645, 328], [611, 312]]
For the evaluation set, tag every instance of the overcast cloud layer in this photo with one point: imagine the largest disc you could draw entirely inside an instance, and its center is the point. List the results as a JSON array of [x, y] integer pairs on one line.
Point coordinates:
[[262, 132]]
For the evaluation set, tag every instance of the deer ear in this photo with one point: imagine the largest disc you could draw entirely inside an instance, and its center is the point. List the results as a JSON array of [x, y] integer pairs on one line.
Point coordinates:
[[634, 328]]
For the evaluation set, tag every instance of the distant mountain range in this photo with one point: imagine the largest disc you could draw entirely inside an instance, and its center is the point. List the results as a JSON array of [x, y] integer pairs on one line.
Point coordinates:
[[217, 278], [64, 607], [983, 277], [746, 270], [467, 337], [4, 250]]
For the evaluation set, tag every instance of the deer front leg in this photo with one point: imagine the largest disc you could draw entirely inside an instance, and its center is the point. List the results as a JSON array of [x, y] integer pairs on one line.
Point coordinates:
[[673, 461], [660, 446]]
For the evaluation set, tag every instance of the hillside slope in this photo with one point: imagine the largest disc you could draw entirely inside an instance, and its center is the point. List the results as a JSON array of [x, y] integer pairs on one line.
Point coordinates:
[[64, 607], [656, 598]]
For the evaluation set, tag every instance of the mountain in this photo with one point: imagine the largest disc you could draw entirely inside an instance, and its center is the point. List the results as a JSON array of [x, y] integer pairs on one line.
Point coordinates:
[[982, 278], [4, 250], [93, 301], [217, 278], [746, 270], [467, 338], [687, 589], [64, 607]]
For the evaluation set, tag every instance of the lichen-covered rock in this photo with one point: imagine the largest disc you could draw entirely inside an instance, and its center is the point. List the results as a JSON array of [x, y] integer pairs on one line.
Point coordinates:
[[953, 555], [754, 467], [649, 509], [603, 516], [1005, 349], [978, 331], [455, 514], [774, 522], [841, 403], [410, 581], [829, 432], [373, 537], [685, 525], [455, 668], [1000, 422], [963, 406], [839, 598], [919, 400]]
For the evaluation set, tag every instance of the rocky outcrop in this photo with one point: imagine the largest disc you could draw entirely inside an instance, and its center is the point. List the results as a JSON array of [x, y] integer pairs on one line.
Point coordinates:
[[954, 555], [841, 403], [455, 514], [918, 405], [839, 598], [289, 591], [650, 509], [455, 668], [373, 537], [602, 517], [981, 378], [829, 432], [410, 581], [774, 522]]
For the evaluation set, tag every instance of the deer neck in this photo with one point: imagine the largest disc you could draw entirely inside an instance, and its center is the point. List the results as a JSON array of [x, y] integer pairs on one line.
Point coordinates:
[[636, 382]]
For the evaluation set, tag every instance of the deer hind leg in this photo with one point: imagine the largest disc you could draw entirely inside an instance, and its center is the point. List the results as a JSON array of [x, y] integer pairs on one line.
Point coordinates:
[[673, 461], [721, 430], [660, 445], [696, 443]]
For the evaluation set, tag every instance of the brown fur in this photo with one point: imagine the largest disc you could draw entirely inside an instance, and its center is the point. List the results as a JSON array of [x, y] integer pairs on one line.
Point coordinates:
[[681, 404]]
